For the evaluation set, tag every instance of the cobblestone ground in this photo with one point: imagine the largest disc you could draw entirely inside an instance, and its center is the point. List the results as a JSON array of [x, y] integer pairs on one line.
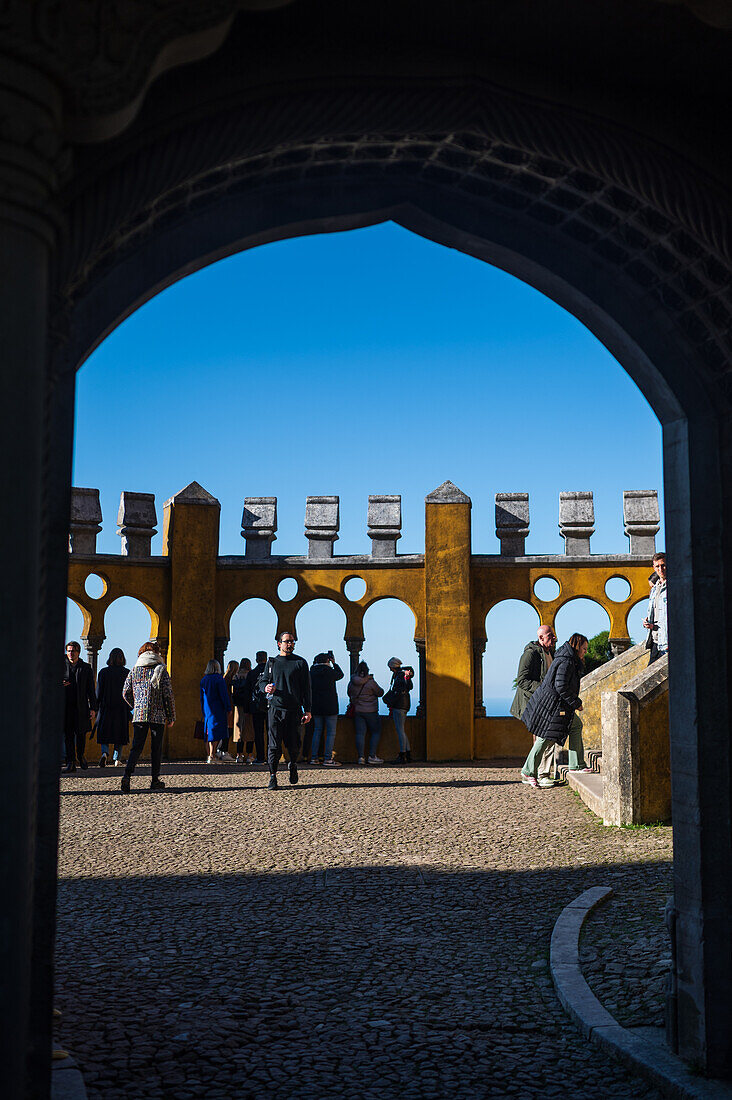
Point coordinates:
[[370, 934]]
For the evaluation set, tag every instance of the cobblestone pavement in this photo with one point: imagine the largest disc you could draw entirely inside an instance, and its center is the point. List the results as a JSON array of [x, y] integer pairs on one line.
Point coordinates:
[[368, 934], [625, 950]]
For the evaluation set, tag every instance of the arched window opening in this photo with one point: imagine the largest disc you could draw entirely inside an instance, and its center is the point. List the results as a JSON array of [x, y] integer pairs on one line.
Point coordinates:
[[127, 624], [509, 627], [74, 625], [636, 615], [252, 627], [388, 627], [321, 625], [582, 616]]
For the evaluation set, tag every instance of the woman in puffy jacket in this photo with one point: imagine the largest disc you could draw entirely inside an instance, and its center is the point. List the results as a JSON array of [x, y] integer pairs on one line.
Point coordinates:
[[364, 693], [550, 711]]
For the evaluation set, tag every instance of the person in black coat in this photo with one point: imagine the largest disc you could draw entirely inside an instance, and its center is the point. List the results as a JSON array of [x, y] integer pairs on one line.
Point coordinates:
[[324, 675], [113, 721], [80, 706], [258, 705], [551, 709]]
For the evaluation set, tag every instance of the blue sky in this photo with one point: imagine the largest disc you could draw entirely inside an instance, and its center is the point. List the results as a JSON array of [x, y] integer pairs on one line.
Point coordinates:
[[355, 363]]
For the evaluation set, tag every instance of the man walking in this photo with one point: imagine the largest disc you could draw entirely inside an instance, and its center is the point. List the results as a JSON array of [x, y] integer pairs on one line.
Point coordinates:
[[657, 621], [80, 706], [259, 704], [286, 681], [533, 667]]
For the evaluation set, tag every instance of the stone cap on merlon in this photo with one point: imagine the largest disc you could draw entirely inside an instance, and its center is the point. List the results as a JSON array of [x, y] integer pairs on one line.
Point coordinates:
[[447, 493]]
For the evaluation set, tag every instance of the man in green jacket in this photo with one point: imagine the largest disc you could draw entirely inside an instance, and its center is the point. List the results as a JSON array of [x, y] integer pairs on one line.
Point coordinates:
[[533, 667]]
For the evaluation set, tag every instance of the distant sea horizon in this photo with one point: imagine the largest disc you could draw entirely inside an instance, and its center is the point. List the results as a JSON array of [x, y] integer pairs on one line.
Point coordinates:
[[498, 706]]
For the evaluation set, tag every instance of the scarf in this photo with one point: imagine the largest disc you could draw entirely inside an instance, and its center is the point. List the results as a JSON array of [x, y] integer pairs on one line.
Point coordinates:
[[150, 660]]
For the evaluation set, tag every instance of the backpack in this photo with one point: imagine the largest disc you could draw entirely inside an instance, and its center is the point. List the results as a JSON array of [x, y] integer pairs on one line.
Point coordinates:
[[260, 699]]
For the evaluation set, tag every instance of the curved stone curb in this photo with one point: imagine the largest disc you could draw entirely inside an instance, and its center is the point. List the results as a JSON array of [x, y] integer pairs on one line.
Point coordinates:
[[656, 1063]]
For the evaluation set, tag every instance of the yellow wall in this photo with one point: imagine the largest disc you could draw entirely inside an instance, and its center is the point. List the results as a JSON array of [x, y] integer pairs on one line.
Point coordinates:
[[449, 689], [191, 594], [497, 738], [610, 677]]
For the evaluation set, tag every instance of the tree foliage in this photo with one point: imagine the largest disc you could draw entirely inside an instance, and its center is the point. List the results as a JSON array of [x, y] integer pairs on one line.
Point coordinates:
[[598, 651]]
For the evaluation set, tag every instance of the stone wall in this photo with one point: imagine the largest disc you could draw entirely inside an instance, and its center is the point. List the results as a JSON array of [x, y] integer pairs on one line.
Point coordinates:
[[608, 677], [636, 764]]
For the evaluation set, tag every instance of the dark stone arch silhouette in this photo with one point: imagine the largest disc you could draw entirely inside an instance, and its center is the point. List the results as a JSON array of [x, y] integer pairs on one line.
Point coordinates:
[[610, 200]]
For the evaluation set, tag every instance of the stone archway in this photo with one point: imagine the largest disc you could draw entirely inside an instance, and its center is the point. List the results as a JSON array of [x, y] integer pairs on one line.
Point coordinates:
[[618, 217]]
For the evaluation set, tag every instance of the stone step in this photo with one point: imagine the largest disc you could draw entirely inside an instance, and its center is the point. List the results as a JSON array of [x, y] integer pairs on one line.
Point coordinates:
[[594, 759], [589, 786]]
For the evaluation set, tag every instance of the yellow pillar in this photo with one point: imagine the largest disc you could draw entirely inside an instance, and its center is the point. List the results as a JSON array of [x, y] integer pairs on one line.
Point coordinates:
[[449, 647], [191, 540]]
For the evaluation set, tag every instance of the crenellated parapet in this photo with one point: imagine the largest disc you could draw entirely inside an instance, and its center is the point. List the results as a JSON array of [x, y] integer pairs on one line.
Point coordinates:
[[137, 519]]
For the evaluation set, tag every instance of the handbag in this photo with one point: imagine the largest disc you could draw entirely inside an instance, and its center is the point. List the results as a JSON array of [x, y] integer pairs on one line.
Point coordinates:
[[199, 731], [351, 708], [390, 699]]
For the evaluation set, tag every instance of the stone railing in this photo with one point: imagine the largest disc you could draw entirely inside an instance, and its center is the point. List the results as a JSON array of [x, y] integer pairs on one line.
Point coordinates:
[[636, 763]]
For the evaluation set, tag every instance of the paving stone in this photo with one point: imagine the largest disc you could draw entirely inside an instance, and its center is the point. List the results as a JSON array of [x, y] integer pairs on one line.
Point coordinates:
[[382, 933]]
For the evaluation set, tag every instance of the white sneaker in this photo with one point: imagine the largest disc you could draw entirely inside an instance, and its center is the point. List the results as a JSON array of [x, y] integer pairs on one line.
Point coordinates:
[[211, 760], [362, 759], [314, 760], [375, 760], [332, 763], [119, 762]]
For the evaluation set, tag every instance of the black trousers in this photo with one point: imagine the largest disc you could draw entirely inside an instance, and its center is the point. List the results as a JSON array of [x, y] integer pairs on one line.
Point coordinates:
[[284, 728], [75, 741], [259, 721], [139, 737]]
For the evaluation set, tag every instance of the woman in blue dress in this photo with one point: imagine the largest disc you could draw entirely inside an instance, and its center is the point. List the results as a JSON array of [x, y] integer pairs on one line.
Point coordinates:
[[215, 706]]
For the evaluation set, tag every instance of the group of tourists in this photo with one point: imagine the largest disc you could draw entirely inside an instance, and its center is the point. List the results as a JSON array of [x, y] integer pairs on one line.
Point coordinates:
[[277, 699], [282, 698], [143, 696], [547, 696]]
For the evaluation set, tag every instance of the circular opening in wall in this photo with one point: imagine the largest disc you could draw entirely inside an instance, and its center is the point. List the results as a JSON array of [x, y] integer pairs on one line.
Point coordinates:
[[354, 588], [287, 589], [617, 589], [95, 586], [546, 589]]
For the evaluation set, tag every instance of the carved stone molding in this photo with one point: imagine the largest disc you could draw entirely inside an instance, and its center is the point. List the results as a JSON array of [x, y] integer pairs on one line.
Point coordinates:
[[624, 202], [104, 54]]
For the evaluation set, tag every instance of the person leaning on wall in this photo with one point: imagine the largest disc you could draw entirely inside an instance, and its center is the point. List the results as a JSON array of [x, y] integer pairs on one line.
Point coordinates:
[[149, 692], [656, 621], [113, 720], [551, 709]]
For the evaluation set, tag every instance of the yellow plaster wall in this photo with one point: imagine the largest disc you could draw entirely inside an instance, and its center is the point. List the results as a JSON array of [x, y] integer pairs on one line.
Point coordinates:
[[190, 539], [401, 581], [490, 584], [654, 760], [449, 650], [609, 677], [191, 595], [497, 738]]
